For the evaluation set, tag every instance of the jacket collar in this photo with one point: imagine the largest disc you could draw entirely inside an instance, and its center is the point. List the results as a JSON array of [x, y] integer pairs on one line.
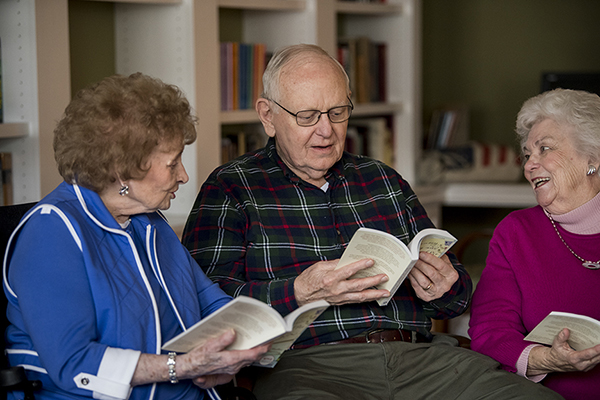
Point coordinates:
[[95, 209]]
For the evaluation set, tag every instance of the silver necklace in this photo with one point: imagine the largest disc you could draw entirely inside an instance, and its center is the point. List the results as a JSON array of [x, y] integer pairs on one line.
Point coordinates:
[[586, 263]]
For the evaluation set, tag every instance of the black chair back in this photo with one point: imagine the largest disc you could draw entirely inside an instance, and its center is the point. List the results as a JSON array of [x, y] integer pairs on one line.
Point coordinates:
[[11, 377]]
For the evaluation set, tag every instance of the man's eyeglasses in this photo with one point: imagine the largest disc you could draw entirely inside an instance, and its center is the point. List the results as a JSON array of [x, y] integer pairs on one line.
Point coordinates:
[[311, 117]]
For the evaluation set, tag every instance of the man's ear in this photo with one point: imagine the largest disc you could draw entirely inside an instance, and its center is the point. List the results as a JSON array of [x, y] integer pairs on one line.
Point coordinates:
[[265, 114]]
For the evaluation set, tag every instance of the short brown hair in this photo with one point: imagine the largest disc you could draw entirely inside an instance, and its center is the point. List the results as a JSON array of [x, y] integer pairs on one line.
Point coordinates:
[[113, 126]]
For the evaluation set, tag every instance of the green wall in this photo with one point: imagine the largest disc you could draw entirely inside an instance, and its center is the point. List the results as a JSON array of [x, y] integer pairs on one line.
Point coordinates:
[[490, 54], [92, 42]]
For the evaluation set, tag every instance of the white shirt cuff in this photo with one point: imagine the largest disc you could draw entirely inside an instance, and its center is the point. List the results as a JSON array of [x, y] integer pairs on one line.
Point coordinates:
[[114, 375]]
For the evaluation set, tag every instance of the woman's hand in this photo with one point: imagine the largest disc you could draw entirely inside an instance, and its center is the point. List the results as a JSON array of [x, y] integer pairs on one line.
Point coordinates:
[[207, 365], [561, 357], [432, 276], [210, 364]]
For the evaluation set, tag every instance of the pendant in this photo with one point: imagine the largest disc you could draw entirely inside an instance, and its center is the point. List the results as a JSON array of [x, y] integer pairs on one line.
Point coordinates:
[[591, 265]]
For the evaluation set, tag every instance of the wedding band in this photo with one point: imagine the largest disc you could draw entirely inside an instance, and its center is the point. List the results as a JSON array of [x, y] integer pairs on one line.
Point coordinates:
[[428, 286]]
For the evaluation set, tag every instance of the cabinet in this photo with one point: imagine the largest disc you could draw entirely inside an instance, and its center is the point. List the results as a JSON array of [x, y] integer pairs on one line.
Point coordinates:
[[178, 41]]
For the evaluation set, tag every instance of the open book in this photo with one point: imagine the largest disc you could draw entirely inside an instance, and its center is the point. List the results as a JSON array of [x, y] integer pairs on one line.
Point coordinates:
[[585, 331], [254, 322], [391, 255]]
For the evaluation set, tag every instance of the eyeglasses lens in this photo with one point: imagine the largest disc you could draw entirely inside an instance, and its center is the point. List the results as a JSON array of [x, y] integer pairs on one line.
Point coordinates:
[[336, 115]]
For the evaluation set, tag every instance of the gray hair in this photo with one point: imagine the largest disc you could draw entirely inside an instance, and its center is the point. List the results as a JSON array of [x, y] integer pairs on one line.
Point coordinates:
[[576, 109], [286, 55]]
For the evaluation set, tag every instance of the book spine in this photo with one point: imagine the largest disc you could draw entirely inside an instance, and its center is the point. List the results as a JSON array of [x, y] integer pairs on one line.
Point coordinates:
[[7, 183], [1, 101], [235, 75], [223, 75]]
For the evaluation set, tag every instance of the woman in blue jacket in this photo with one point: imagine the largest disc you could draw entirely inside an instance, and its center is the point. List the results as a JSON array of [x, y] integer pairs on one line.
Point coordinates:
[[96, 279]]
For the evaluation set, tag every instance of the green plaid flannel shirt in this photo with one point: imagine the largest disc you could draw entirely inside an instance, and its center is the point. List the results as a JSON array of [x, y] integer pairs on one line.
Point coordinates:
[[256, 226]]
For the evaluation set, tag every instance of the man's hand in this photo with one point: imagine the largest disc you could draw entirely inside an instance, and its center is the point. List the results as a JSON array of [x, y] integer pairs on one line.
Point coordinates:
[[432, 276], [323, 281]]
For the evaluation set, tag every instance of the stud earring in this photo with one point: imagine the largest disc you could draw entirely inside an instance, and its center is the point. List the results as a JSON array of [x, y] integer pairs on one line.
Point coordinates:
[[591, 170], [124, 191]]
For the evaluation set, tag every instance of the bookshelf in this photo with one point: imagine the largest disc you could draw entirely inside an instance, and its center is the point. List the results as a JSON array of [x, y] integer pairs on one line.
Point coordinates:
[[178, 41], [13, 130]]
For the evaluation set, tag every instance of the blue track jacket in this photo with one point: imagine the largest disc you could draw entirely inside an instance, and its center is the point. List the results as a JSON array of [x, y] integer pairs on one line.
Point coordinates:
[[80, 303]]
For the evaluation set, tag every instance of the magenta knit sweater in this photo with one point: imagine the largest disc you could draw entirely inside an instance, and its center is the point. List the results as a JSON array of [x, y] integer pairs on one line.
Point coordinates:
[[529, 272]]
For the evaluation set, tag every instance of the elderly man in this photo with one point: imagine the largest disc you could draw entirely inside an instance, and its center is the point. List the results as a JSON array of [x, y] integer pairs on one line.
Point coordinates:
[[272, 225]]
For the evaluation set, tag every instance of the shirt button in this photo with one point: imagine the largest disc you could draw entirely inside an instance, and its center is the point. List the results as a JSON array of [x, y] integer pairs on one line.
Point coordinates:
[[85, 381]]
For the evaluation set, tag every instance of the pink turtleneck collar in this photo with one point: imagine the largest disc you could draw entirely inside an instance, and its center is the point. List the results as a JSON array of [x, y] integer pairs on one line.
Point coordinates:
[[584, 220]]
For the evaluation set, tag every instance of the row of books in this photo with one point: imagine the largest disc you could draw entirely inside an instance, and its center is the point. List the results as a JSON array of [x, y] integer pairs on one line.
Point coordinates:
[[6, 182], [243, 64], [365, 62], [449, 127], [366, 1], [238, 142], [1, 102], [371, 137], [242, 67]]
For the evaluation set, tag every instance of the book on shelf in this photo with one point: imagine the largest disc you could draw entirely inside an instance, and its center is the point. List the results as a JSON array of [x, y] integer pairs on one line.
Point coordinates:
[[391, 256], [236, 142], [255, 323], [449, 127], [585, 331], [6, 179], [346, 55], [371, 137], [242, 66], [1, 100], [224, 74], [365, 62]]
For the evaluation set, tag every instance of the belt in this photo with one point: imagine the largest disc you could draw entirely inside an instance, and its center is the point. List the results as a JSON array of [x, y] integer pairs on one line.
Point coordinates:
[[385, 335]]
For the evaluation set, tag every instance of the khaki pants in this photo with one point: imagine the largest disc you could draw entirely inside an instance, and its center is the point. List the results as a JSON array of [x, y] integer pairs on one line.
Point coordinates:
[[393, 370]]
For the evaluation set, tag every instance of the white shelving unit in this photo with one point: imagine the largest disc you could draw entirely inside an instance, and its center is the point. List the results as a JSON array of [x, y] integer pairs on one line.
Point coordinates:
[[194, 26], [13, 130], [19, 134], [502, 195], [178, 41], [397, 23]]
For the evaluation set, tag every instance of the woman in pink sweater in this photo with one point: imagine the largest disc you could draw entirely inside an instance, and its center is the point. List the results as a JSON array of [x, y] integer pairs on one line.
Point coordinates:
[[547, 258]]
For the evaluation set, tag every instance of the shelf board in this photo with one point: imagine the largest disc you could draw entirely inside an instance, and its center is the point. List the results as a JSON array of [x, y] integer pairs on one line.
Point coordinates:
[[474, 194], [13, 130], [349, 7], [360, 110], [268, 5], [239, 117], [367, 109], [143, 1]]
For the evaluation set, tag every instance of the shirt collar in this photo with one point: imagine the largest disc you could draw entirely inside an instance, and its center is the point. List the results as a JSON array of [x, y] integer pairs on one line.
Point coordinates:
[[336, 172]]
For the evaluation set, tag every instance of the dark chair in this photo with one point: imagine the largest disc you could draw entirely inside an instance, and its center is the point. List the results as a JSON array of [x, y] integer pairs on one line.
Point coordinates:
[[12, 378]]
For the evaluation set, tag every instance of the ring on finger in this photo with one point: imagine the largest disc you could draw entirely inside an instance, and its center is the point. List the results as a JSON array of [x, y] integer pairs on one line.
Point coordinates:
[[428, 286]]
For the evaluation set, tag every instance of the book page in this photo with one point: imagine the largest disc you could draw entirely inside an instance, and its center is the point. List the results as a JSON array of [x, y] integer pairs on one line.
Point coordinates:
[[391, 256], [585, 331], [300, 319], [433, 241], [253, 321]]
